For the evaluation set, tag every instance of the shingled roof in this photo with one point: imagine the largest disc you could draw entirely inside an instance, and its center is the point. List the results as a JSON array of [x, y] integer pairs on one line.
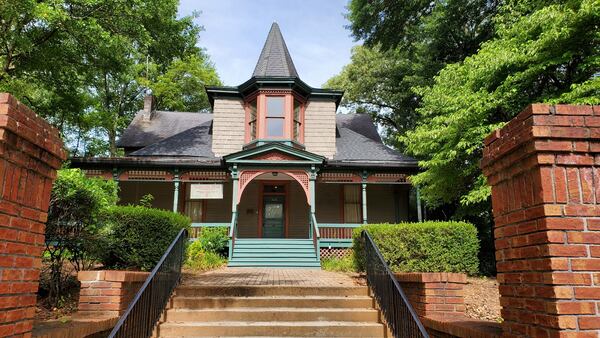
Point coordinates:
[[275, 59]]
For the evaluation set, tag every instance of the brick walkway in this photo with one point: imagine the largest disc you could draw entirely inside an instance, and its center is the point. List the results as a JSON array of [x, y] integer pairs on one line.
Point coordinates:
[[269, 276]]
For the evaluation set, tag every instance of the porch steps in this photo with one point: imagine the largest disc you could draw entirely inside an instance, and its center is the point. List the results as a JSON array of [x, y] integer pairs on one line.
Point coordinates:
[[271, 311], [274, 252]]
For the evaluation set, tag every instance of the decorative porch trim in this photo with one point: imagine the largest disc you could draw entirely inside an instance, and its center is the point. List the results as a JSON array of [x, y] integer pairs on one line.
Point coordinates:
[[387, 178], [203, 176], [340, 177], [293, 155], [246, 176]]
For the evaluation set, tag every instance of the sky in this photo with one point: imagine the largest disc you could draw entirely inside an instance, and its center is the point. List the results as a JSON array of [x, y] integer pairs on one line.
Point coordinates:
[[235, 32]]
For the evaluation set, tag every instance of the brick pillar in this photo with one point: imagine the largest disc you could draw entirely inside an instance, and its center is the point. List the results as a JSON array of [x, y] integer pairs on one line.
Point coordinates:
[[544, 170], [30, 153]]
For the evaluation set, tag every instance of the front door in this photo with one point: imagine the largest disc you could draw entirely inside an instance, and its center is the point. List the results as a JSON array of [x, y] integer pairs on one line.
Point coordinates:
[[273, 216]]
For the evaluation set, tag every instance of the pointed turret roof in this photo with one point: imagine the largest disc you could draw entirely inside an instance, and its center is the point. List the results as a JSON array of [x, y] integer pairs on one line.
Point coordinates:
[[275, 59]]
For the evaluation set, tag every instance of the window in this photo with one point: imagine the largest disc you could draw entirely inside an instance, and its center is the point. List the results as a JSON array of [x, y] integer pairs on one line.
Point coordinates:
[[275, 116], [352, 203], [194, 210], [297, 121], [252, 111]]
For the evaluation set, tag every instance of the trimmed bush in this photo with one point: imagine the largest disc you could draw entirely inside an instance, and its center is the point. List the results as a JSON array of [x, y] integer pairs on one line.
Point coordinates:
[[136, 237], [423, 247]]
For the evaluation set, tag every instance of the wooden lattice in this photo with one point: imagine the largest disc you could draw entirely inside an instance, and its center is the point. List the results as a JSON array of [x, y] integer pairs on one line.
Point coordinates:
[[147, 175], [335, 252], [388, 177], [341, 177], [97, 173], [246, 176], [204, 176]]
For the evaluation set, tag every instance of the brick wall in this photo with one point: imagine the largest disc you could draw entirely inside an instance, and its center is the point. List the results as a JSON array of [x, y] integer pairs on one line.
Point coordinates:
[[544, 169], [434, 293], [108, 291], [30, 153]]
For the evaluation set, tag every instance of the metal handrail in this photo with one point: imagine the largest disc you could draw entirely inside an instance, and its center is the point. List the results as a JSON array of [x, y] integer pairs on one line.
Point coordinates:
[[149, 302], [397, 310]]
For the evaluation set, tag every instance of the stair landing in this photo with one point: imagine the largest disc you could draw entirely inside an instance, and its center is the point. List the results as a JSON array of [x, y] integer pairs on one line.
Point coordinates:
[[271, 276]]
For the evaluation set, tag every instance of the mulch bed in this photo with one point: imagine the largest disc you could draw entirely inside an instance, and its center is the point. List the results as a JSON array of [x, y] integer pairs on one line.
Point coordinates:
[[482, 298]]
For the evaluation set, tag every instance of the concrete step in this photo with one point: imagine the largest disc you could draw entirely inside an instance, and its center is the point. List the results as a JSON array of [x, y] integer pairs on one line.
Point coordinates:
[[267, 263], [306, 254], [279, 329], [260, 290], [272, 245], [364, 302], [272, 314], [273, 240]]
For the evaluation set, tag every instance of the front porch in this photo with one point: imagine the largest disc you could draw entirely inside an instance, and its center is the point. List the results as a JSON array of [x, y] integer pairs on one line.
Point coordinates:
[[277, 192]]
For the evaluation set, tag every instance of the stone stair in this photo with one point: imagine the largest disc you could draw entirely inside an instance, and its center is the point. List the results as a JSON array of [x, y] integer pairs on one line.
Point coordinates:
[[274, 252], [271, 311]]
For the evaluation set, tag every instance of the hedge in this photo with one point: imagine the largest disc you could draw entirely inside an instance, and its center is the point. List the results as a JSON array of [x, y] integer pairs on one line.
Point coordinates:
[[136, 237], [422, 247]]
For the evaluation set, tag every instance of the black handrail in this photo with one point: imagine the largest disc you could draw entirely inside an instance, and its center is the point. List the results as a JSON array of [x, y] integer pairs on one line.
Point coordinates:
[[150, 301], [400, 316]]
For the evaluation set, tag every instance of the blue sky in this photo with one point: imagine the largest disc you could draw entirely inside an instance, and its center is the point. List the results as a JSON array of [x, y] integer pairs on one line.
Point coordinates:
[[235, 31]]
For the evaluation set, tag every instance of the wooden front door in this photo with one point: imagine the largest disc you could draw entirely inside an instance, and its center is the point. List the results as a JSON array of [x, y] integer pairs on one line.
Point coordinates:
[[273, 216], [274, 211]]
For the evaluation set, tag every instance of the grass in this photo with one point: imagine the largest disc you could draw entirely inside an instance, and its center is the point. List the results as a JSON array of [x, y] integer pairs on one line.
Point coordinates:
[[344, 264], [205, 260]]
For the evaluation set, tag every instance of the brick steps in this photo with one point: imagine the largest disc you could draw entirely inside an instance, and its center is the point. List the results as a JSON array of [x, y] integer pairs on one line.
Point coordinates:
[[271, 311]]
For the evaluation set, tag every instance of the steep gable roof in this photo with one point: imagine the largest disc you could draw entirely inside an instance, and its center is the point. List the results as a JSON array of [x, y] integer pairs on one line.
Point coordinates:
[[275, 59]]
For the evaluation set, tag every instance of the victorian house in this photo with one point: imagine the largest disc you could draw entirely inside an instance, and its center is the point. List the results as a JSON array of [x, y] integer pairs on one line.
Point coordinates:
[[273, 162]]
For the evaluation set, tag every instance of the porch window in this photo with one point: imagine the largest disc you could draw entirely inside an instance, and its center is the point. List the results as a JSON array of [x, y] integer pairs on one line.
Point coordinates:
[[275, 116], [194, 209], [252, 112], [352, 203], [297, 121]]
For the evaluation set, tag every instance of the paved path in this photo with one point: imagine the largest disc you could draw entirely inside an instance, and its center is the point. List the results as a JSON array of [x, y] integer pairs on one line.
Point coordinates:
[[271, 276]]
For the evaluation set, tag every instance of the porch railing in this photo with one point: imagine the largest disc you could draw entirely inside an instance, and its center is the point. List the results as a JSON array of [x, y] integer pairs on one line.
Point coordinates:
[[149, 302], [337, 235], [316, 235], [400, 316], [197, 228], [232, 232]]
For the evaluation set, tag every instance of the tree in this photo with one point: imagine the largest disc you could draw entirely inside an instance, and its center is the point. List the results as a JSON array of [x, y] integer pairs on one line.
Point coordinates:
[[72, 228], [81, 66], [544, 52], [406, 44]]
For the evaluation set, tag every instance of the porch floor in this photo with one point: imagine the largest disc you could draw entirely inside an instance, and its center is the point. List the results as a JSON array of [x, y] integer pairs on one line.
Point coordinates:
[[271, 277]]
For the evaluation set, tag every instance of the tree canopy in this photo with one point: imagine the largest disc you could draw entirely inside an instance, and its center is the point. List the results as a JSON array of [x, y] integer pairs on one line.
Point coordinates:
[[84, 64], [440, 76], [407, 44]]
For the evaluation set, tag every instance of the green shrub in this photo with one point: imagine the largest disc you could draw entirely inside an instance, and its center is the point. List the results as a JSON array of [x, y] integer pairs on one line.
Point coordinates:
[[214, 239], [72, 229], [136, 236], [344, 264], [199, 258], [423, 247]]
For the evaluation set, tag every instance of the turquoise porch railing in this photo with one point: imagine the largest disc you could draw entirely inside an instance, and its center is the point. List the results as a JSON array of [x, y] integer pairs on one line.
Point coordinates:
[[197, 227], [337, 235], [315, 234]]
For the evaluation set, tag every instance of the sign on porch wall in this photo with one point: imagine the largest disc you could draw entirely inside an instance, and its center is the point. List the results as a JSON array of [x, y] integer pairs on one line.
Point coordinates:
[[205, 191]]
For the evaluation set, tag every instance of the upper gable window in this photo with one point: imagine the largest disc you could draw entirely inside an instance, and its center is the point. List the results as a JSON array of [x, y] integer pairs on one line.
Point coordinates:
[[277, 115]]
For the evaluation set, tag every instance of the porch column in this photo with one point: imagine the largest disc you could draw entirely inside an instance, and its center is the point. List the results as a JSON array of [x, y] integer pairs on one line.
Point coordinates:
[[234, 194], [419, 211], [176, 191], [365, 175]]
